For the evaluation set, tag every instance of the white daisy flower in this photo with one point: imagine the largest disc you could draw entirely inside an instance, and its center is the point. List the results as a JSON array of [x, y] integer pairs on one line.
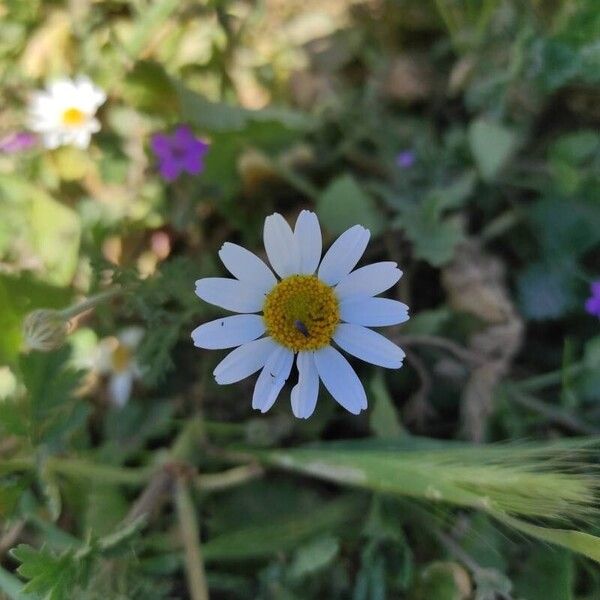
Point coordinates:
[[64, 114], [116, 358], [314, 304]]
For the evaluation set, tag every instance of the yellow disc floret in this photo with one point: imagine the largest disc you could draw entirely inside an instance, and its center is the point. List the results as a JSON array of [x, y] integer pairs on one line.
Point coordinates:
[[121, 358], [73, 117], [301, 313]]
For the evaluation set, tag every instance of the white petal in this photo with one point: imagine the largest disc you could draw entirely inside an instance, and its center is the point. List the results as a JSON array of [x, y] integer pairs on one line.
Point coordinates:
[[309, 241], [81, 139], [368, 345], [244, 361], [272, 378], [373, 312], [343, 255], [131, 336], [306, 391], [340, 379], [103, 355], [369, 281], [120, 388], [230, 294], [228, 332], [247, 267], [280, 245]]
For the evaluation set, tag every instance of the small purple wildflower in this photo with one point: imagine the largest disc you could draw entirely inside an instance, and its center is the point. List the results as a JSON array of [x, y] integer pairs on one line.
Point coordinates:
[[592, 305], [178, 153], [405, 159], [17, 142]]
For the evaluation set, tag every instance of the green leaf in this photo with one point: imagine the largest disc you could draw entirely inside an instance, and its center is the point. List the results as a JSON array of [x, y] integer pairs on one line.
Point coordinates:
[[522, 480], [491, 145], [547, 291], [383, 418], [149, 88], [148, 23], [575, 147], [577, 541], [314, 556], [565, 228], [52, 576], [55, 232], [547, 574], [281, 534], [491, 584], [344, 204], [433, 239], [452, 195], [12, 587], [221, 117], [442, 581], [50, 385]]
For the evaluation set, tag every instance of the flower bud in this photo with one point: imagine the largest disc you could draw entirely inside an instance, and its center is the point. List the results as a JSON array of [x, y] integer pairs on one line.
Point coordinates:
[[44, 330]]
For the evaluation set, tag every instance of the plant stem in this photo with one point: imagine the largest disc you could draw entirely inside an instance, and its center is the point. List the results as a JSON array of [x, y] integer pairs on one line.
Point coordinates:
[[190, 536], [552, 413], [229, 478], [91, 302], [74, 467], [539, 382]]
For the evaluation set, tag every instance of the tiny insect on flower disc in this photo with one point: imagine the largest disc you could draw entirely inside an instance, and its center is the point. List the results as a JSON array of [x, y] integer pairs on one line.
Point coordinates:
[[301, 313]]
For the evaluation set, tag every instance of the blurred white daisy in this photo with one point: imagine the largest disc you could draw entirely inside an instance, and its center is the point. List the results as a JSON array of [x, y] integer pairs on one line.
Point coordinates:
[[314, 303], [64, 114], [116, 359]]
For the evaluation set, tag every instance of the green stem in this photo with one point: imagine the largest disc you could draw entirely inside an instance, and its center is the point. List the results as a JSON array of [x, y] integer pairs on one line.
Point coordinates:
[[91, 302], [552, 413], [539, 382], [236, 476], [190, 536], [83, 469], [297, 181]]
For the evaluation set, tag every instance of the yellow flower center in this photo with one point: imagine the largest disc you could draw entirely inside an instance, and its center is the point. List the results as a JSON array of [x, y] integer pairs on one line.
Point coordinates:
[[72, 117], [121, 358], [301, 313]]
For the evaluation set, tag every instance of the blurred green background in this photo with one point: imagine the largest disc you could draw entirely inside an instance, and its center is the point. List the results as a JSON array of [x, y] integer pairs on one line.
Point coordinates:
[[465, 135]]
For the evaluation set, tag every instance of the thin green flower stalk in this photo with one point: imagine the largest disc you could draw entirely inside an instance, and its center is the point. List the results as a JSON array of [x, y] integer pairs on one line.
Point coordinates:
[[47, 329]]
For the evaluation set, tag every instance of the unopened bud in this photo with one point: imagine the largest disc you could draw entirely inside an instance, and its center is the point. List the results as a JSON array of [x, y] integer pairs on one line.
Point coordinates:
[[45, 330]]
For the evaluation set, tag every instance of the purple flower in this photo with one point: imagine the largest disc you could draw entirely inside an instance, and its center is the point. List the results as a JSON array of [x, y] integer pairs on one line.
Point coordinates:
[[17, 142], [405, 159], [592, 304], [179, 152]]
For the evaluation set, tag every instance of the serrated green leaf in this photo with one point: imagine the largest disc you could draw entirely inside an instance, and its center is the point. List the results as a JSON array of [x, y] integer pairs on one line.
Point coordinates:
[[344, 204], [52, 576]]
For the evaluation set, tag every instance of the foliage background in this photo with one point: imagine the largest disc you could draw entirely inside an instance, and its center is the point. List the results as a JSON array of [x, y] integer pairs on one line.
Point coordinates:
[[496, 226]]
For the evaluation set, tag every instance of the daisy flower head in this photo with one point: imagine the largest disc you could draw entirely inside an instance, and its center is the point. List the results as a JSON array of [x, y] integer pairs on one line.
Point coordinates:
[[308, 304], [181, 152], [116, 359], [64, 113]]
